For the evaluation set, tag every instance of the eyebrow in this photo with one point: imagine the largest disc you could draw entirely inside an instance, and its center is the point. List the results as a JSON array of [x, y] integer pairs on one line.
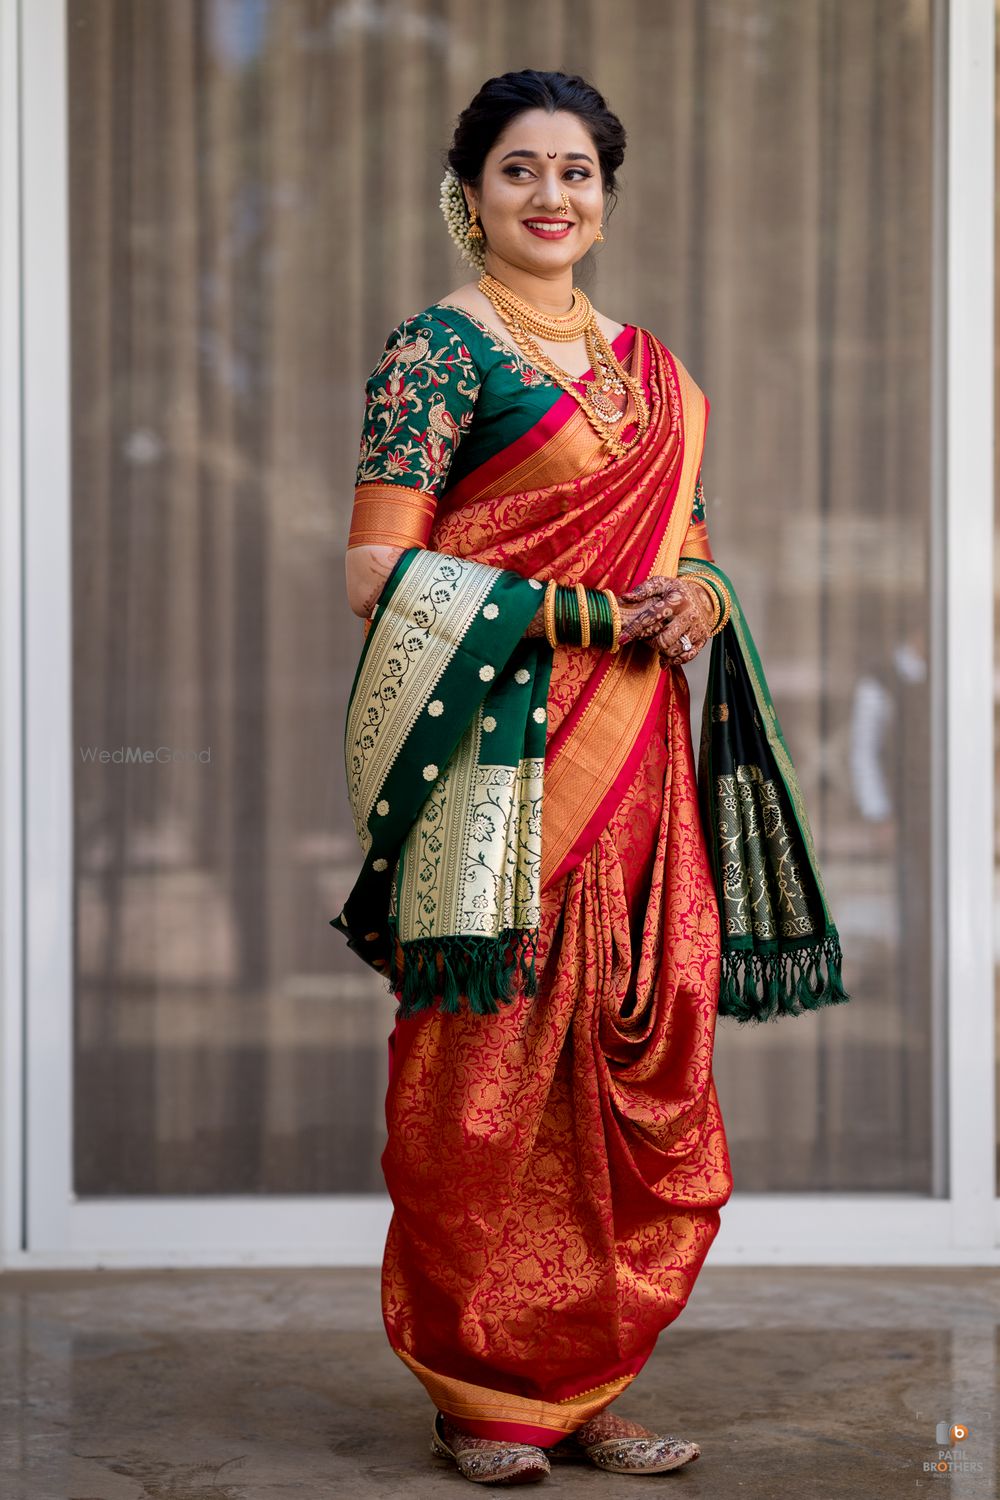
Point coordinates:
[[569, 155]]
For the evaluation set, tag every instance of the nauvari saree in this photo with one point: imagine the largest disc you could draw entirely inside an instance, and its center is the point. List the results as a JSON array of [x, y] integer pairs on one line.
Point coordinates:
[[557, 1162]]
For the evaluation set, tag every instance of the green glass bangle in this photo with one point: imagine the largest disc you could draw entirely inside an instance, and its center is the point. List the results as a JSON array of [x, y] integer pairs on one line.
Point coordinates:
[[602, 629], [573, 617], [567, 617], [597, 620], [609, 620], [568, 624]]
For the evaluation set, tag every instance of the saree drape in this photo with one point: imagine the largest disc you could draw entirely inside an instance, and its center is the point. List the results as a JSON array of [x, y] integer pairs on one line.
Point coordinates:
[[557, 1168]]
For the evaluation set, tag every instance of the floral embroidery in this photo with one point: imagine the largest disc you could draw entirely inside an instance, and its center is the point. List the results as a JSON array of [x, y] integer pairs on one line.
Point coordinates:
[[529, 375], [419, 403]]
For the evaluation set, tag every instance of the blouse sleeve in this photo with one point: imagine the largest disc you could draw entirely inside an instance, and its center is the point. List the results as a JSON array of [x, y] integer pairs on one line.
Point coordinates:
[[696, 542], [419, 403]]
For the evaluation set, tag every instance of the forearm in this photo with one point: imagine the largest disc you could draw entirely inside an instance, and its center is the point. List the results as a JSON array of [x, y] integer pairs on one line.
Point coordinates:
[[368, 568]]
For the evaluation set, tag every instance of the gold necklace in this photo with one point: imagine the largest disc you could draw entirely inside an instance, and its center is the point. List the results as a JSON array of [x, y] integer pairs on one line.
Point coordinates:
[[610, 376], [560, 327]]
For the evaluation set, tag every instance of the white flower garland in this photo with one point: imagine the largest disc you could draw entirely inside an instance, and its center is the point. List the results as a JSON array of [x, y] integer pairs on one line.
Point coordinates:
[[456, 216]]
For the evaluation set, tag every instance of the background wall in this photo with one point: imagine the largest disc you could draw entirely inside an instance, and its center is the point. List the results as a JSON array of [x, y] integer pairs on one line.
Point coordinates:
[[254, 205]]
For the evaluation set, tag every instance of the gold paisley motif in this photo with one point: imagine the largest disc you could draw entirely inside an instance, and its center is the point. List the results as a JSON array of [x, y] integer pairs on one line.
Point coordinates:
[[557, 1169]]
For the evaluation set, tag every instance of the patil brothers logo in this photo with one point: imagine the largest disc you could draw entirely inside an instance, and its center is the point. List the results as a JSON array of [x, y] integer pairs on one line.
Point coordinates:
[[951, 1459]]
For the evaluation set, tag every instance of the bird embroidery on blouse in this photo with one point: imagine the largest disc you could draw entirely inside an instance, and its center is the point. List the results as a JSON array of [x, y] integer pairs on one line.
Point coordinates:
[[440, 420], [405, 354]]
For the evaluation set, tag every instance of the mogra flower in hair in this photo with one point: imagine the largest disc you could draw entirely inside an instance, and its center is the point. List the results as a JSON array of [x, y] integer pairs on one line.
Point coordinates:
[[456, 216]]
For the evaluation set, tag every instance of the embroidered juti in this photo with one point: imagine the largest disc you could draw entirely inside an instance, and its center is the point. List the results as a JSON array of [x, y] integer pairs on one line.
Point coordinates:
[[556, 1162]]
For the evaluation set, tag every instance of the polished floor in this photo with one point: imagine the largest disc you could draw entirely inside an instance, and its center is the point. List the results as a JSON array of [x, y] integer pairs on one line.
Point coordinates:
[[806, 1383]]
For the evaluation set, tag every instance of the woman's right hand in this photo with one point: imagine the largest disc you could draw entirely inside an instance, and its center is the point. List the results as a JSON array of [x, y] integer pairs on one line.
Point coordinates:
[[646, 609]]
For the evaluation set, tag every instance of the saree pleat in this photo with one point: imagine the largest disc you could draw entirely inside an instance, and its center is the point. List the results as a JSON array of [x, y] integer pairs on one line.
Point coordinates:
[[557, 1170]]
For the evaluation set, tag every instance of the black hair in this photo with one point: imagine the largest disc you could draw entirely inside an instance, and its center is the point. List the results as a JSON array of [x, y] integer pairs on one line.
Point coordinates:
[[502, 99]]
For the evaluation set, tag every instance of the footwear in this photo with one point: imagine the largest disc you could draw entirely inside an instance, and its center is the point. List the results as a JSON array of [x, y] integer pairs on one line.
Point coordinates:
[[623, 1447], [484, 1461]]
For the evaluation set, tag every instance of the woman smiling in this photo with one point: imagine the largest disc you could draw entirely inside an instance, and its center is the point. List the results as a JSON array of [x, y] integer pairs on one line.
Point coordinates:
[[559, 907]]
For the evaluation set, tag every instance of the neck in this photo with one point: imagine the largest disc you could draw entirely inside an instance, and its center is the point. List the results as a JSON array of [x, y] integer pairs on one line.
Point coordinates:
[[551, 293]]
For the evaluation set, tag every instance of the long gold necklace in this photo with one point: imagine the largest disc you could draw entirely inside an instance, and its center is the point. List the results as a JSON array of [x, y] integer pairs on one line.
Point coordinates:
[[610, 376]]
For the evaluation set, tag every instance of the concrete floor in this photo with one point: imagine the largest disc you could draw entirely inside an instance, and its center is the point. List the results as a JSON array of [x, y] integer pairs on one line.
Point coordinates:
[[810, 1383]]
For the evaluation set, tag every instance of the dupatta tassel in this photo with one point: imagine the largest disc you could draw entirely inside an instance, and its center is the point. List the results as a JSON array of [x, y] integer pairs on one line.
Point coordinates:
[[759, 987], [483, 971], [445, 754], [781, 952]]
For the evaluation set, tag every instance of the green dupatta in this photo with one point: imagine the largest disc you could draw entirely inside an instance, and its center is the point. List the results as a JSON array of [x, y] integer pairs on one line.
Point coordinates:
[[445, 747], [445, 751], [778, 936]]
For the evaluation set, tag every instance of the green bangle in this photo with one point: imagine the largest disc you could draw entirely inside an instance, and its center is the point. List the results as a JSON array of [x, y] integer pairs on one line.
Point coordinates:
[[568, 624], [567, 617], [603, 634], [573, 615]]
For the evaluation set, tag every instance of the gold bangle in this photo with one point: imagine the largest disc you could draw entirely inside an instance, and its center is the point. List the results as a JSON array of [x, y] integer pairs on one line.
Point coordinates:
[[581, 601], [712, 596], [726, 603], [616, 620], [550, 613]]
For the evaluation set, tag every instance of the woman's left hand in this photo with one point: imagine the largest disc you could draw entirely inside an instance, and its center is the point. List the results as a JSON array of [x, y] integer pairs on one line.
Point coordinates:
[[691, 617]]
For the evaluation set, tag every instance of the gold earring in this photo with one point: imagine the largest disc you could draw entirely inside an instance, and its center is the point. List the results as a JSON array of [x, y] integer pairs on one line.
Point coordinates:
[[598, 235], [474, 232]]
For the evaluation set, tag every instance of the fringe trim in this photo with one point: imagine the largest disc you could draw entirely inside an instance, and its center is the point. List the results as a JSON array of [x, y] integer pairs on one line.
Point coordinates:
[[441, 971], [766, 986]]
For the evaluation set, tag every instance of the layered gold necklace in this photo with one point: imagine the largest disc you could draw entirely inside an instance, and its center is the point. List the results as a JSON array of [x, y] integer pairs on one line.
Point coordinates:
[[610, 376]]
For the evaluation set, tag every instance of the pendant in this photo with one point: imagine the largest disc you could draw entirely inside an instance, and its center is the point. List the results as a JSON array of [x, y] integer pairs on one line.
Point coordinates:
[[604, 407]]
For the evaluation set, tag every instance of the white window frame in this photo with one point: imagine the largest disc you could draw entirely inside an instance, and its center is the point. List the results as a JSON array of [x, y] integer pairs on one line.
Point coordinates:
[[42, 1223]]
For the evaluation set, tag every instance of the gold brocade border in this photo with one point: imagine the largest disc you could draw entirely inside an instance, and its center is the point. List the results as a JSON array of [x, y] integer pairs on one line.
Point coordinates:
[[576, 445], [592, 757], [391, 515], [458, 1399], [696, 543]]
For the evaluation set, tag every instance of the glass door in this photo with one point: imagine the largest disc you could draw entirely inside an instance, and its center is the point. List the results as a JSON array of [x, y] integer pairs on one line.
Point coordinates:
[[227, 206]]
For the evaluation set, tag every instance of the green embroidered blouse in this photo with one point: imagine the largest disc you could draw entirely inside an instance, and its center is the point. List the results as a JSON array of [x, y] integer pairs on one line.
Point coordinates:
[[446, 395]]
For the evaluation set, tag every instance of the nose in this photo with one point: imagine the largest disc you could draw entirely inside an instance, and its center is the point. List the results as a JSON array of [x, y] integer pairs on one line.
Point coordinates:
[[550, 193]]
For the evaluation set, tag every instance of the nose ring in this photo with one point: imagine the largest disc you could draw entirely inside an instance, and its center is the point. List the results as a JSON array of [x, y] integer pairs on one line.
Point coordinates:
[[565, 204]]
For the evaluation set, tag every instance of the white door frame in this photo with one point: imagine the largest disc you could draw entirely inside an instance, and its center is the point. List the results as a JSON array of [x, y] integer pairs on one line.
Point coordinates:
[[41, 1222]]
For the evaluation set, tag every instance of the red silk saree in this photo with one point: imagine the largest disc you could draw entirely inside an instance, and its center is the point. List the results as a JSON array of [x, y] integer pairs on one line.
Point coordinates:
[[557, 1168]]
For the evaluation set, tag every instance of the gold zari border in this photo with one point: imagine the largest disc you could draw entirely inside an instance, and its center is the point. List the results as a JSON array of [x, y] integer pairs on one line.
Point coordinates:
[[458, 1399], [391, 515], [591, 758]]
